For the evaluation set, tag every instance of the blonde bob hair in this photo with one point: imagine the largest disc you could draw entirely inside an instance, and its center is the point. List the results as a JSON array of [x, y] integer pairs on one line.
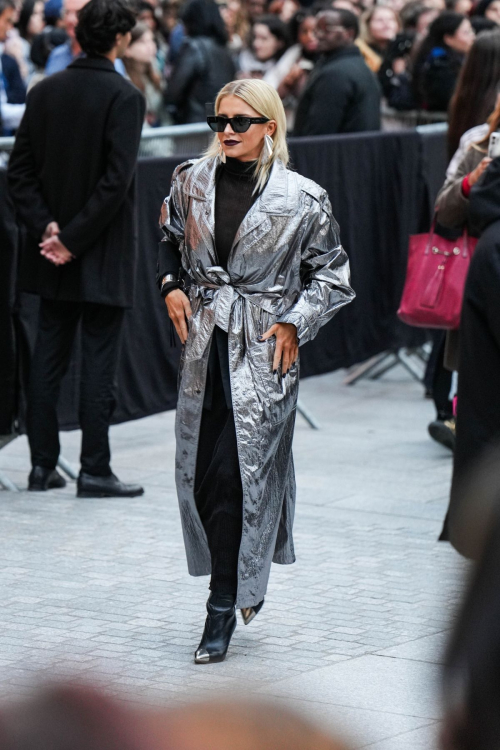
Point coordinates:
[[264, 99]]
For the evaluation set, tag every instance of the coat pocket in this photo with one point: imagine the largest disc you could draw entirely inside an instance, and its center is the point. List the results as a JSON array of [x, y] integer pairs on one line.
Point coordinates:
[[279, 393]]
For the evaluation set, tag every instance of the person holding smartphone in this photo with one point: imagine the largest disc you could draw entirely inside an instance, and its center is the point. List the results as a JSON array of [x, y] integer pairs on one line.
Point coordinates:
[[453, 206]]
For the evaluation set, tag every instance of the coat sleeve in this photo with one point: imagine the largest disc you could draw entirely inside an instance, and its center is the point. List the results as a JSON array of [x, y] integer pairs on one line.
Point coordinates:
[[325, 274], [24, 185], [123, 137], [15, 87], [485, 197], [172, 222], [451, 203]]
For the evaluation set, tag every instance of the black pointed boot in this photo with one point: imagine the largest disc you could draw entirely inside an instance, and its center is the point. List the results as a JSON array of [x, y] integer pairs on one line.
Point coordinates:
[[219, 628], [248, 613]]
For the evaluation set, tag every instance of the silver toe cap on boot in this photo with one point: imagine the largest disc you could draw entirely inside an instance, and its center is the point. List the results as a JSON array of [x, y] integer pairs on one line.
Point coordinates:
[[201, 656]]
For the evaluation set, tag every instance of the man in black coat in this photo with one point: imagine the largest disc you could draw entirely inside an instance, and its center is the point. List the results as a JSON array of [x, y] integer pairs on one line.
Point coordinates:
[[71, 176], [342, 94], [12, 88]]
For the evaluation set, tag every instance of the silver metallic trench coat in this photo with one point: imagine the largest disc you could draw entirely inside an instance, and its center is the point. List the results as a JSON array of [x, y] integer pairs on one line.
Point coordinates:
[[286, 265]]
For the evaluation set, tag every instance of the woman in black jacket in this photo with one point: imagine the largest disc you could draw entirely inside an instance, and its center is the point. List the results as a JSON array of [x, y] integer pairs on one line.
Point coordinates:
[[440, 60], [204, 65]]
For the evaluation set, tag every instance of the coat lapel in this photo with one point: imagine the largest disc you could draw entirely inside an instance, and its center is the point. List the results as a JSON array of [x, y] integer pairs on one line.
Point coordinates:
[[200, 185], [273, 200], [277, 198]]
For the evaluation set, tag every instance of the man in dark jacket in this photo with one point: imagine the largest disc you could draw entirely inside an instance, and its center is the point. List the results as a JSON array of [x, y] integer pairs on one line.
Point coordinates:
[[342, 95], [12, 88], [71, 176]]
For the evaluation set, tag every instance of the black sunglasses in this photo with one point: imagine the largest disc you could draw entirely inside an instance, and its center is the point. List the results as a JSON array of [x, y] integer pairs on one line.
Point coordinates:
[[239, 124]]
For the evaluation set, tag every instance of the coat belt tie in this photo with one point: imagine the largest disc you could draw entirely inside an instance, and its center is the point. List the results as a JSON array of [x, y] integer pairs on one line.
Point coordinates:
[[219, 296]]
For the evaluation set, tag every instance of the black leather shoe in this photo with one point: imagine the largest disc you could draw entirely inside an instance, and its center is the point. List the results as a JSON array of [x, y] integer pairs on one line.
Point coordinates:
[[42, 479], [219, 628], [443, 432], [110, 486], [248, 613]]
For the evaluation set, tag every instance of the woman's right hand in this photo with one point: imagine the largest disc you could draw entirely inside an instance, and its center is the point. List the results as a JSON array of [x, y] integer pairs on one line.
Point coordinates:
[[478, 171], [179, 311]]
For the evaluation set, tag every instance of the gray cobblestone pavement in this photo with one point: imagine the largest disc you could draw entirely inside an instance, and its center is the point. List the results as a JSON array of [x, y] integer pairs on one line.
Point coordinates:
[[352, 634]]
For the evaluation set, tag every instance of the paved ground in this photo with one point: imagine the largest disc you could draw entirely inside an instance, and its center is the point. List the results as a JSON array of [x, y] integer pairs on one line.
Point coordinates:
[[353, 633]]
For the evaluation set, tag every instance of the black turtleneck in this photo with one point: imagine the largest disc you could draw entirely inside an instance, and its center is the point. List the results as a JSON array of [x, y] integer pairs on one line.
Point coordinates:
[[234, 196]]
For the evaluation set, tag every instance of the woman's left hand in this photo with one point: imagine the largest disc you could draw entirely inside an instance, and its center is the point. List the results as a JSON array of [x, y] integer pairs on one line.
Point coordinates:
[[287, 345]]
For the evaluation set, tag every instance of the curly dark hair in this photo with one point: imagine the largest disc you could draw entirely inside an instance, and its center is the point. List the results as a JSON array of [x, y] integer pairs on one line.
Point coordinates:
[[99, 21]]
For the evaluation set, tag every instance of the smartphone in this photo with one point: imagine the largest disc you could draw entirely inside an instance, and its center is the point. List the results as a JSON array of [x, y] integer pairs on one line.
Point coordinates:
[[306, 64], [494, 146]]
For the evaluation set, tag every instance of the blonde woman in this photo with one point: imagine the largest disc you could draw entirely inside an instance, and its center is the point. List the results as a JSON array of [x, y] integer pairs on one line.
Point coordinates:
[[379, 27], [262, 252]]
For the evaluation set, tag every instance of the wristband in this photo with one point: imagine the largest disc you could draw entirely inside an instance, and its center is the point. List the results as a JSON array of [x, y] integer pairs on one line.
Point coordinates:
[[168, 280], [169, 287]]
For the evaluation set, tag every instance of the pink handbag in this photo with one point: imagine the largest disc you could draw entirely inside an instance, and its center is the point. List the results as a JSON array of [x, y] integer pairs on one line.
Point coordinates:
[[435, 280]]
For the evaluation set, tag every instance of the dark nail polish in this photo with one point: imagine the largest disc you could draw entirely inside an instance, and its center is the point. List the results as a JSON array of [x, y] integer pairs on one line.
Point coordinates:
[[260, 338], [274, 372], [285, 374]]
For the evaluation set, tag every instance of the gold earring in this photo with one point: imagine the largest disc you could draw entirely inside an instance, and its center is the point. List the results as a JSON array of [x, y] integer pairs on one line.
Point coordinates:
[[222, 155]]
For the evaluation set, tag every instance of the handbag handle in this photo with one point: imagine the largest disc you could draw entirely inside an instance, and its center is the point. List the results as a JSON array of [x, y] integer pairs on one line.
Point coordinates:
[[431, 232], [456, 250]]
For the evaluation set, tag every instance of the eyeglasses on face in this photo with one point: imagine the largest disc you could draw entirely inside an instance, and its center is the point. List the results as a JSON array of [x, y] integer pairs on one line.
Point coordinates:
[[239, 124]]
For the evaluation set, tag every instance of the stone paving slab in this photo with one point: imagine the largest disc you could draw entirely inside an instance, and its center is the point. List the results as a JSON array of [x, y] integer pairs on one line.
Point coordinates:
[[99, 588], [397, 686]]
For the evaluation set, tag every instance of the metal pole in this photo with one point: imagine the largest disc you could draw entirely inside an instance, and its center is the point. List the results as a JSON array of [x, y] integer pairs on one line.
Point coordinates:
[[311, 421], [66, 467], [6, 483], [405, 360], [365, 369]]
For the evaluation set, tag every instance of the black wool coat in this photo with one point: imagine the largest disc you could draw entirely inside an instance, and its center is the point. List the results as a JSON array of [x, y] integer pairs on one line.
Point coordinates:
[[478, 406], [341, 96], [436, 79], [74, 162]]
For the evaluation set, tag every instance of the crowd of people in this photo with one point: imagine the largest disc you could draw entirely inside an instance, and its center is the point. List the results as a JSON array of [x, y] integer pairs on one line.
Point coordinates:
[[316, 53]]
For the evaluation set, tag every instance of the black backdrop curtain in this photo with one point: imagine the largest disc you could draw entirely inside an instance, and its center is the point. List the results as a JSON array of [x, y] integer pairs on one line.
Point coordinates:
[[375, 189], [380, 186]]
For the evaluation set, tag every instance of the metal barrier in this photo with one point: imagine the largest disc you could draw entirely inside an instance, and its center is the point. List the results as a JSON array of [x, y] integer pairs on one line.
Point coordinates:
[[437, 127], [7, 144], [395, 119], [175, 139], [167, 141], [194, 138]]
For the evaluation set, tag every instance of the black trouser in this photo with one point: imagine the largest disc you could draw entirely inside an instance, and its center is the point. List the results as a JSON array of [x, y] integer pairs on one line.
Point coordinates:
[[57, 328], [218, 489], [437, 378], [441, 385]]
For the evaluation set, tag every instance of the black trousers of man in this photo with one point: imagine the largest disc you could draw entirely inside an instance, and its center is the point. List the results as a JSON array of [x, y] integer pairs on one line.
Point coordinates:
[[57, 328]]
